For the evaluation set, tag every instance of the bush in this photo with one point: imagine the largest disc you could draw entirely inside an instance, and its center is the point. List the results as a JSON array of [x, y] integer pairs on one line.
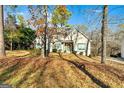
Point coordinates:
[[90, 55], [114, 56], [81, 53], [74, 52], [55, 50], [117, 55], [35, 52]]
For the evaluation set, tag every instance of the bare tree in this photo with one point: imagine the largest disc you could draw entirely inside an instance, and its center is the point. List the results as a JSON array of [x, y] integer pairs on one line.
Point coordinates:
[[39, 21], [45, 32], [2, 47], [104, 33]]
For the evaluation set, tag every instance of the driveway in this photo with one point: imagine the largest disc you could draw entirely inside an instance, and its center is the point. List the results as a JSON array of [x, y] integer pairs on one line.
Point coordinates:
[[118, 60]]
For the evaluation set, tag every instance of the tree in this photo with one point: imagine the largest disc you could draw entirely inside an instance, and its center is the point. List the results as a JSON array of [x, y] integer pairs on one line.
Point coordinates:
[[12, 32], [45, 31], [21, 21], [27, 35], [26, 38], [20, 35], [104, 33], [2, 47], [60, 15], [81, 28], [11, 25], [40, 23], [96, 42]]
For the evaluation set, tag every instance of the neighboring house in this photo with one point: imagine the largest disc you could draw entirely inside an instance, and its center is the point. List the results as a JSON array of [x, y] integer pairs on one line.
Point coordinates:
[[75, 42], [122, 49]]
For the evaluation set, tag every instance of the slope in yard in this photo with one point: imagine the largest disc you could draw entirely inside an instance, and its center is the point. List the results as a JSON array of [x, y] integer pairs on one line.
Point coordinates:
[[60, 70]]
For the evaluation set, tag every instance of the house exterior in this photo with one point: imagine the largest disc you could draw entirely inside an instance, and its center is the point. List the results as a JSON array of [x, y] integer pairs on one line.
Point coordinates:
[[122, 49], [74, 42], [38, 42]]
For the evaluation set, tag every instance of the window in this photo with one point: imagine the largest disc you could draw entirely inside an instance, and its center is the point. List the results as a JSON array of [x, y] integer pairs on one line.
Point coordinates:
[[38, 44], [58, 45], [81, 46]]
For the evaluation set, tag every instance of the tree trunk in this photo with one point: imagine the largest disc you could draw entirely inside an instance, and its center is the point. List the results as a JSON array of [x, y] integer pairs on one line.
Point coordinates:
[[18, 47], [49, 44], [45, 53], [104, 34], [87, 47], [2, 46]]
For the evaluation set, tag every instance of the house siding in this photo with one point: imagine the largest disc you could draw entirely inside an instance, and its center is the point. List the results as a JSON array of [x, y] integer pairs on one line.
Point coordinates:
[[78, 43], [78, 38]]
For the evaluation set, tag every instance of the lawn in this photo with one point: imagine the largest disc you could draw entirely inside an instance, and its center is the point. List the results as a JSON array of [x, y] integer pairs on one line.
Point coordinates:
[[59, 70]]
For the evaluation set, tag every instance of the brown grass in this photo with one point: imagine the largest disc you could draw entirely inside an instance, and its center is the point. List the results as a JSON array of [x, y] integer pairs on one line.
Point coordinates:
[[60, 70]]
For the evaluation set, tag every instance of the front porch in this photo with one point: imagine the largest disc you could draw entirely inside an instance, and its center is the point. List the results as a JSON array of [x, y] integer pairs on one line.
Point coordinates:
[[62, 46], [67, 46]]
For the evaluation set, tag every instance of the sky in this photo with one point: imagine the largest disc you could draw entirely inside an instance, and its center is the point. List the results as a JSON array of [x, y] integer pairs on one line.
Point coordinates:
[[88, 15]]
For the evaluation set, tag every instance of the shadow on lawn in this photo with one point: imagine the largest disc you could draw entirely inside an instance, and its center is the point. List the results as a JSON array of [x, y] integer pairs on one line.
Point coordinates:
[[81, 67], [117, 72], [6, 74], [79, 57]]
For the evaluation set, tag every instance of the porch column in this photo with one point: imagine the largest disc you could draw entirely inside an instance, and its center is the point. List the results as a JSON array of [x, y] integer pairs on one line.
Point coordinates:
[[63, 47], [51, 47]]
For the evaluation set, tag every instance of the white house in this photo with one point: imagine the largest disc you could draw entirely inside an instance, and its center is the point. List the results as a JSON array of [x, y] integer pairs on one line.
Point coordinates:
[[74, 41], [122, 49]]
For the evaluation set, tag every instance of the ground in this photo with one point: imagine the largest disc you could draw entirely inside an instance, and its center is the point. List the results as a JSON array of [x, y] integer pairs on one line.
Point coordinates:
[[59, 70]]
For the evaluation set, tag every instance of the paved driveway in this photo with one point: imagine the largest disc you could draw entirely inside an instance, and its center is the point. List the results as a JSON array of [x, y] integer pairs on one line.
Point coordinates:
[[118, 60]]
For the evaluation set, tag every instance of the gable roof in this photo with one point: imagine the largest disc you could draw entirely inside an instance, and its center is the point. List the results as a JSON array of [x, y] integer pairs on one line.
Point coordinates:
[[81, 33]]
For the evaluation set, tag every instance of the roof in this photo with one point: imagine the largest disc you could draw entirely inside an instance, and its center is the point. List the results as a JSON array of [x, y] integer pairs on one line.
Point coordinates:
[[67, 41], [82, 34]]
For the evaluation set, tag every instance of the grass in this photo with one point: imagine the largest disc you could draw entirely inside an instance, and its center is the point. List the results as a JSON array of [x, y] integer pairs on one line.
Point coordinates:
[[59, 70], [17, 53]]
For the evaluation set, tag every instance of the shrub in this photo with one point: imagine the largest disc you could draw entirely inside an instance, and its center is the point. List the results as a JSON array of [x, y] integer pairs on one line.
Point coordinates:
[[81, 53], [35, 52], [90, 55], [55, 50], [74, 52]]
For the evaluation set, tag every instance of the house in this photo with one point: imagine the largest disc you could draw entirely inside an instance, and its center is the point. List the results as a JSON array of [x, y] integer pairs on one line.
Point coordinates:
[[122, 49], [73, 42]]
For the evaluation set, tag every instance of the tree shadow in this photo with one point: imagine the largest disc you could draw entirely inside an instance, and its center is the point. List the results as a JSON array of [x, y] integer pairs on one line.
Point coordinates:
[[6, 74], [44, 68], [79, 57], [118, 73], [81, 67], [103, 67], [29, 72]]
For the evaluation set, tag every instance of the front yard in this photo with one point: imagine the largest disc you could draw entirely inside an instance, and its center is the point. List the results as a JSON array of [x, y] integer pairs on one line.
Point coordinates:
[[60, 70]]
